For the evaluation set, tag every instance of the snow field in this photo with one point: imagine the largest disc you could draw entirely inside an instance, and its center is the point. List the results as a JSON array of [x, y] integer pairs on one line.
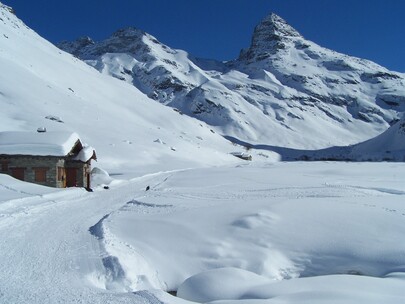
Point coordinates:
[[282, 222], [238, 232], [292, 232], [231, 285]]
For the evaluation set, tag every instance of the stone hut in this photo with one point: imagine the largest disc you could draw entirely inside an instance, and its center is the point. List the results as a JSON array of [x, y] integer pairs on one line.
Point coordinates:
[[54, 159]]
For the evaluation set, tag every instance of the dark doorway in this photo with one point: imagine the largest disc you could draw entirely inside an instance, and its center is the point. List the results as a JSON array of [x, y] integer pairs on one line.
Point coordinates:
[[88, 180], [71, 177]]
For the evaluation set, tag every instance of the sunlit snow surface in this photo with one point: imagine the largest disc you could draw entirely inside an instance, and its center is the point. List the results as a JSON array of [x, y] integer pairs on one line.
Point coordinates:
[[279, 232], [275, 232]]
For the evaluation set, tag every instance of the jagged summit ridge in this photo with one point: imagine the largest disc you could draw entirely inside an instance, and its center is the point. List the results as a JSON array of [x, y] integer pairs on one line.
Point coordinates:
[[129, 32], [8, 8], [126, 40], [269, 36], [77, 46], [275, 26]]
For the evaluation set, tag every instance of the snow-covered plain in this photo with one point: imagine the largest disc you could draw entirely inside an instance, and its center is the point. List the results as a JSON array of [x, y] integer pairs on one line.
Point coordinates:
[[276, 232], [211, 226]]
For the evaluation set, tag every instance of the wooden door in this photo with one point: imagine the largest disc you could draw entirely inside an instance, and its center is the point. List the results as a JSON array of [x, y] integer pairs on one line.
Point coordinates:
[[18, 173], [71, 177]]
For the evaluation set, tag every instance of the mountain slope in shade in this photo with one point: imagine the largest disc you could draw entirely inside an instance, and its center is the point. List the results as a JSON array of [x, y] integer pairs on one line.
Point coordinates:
[[41, 86], [388, 146], [283, 90]]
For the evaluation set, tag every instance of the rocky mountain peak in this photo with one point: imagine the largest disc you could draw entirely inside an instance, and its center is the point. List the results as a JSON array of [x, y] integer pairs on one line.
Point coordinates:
[[8, 8], [128, 33], [125, 40], [268, 37], [274, 26], [85, 40], [76, 47]]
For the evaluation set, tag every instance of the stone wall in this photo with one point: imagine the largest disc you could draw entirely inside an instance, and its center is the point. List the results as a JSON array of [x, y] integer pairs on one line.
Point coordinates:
[[29, 163], [51, 164]]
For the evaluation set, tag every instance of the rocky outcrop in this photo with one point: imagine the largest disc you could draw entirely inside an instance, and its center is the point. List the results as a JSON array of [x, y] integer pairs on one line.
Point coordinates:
[[268, 38], [77, 47]]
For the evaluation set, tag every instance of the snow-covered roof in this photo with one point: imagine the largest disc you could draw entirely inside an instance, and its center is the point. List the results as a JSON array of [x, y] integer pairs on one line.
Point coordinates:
[[85, 154], [42, 144]]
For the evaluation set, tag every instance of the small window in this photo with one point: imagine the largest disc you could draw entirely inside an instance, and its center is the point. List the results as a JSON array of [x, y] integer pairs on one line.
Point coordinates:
[[40, 174]]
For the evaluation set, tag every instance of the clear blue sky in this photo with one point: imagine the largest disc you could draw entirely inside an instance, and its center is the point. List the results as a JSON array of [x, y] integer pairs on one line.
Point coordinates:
[[218, 29]]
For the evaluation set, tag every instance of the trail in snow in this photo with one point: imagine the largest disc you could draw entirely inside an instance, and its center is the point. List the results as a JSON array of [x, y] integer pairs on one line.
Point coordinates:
[[47, 253], [116, 277], [280, 221]]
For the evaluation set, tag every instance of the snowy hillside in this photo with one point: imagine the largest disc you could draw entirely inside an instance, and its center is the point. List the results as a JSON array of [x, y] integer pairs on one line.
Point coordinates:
[[181, 214], [41, 86], [283, 90]]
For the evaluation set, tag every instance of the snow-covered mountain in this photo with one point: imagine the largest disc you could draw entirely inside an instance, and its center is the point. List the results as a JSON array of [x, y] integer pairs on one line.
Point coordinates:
[[252, 100], [41, 86], [239, 233], [283, 90]]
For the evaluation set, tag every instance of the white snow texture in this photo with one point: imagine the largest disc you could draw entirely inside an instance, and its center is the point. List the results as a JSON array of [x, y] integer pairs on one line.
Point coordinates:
[[172, 208]]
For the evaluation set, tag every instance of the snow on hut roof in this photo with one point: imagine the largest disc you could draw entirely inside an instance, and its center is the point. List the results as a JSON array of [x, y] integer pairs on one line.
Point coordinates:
[[38, 143], [85, 154]]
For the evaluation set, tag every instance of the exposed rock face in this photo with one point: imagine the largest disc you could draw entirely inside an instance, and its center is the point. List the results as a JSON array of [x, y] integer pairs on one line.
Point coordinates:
[[268, 37], [134, 56], [128, 40], [76, 47], [8, 8], [282, 90]]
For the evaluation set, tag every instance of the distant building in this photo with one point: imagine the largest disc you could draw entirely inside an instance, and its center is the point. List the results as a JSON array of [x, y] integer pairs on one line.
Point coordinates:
[[55, 159]]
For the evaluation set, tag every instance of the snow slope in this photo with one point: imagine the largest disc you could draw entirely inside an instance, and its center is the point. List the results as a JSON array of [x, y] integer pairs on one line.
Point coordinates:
[[283, 90], [388, 146], [41, 86], [391, 143], [239, 233]]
